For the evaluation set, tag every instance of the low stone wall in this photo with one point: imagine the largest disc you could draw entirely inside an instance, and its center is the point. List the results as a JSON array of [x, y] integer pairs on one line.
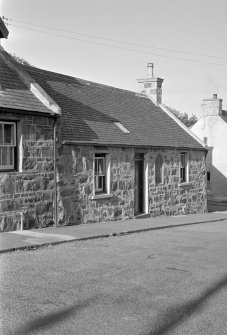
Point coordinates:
[[76, 183], [29, 191]]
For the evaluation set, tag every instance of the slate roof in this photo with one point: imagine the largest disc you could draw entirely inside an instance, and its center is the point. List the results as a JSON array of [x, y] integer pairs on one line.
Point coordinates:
[[14, 94], [89, 111], [224, 116]]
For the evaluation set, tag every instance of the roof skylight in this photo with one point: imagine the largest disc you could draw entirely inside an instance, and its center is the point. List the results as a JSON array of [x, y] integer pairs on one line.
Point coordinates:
[[122, 128]]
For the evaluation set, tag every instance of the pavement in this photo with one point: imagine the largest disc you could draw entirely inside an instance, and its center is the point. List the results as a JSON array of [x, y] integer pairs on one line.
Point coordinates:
[[35, 238]]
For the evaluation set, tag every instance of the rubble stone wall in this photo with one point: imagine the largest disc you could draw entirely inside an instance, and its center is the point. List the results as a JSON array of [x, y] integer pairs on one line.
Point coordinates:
[[76, 202], [28, 190], [171, 197]]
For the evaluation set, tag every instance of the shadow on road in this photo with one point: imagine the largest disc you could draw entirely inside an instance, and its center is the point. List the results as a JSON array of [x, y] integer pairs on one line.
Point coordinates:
[[179, 313], [53, 318], [172, 318]]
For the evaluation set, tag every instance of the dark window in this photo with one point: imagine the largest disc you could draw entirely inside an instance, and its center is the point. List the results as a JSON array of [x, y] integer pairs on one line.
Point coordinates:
[[184, 167], [158, 170], [208, 180], [7, 145]]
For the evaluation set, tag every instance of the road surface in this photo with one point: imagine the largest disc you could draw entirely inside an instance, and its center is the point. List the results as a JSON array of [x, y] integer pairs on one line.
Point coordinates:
[[171, 281]]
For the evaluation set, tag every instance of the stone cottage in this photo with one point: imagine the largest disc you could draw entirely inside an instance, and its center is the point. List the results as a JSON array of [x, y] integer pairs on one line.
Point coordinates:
[[74, 151], [212, 129]]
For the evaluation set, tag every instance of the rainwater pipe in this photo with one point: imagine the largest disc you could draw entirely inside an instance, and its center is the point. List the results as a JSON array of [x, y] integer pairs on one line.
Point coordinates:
[[55, 175], [21, 221]]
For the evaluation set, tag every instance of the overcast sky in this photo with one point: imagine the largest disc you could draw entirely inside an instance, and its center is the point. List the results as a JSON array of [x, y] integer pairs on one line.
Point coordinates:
[[177, 32]]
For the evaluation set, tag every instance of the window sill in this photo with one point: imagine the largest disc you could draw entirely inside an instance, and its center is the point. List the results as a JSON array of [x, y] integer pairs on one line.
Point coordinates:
[[102, 196], [185, 184], [8, 171]]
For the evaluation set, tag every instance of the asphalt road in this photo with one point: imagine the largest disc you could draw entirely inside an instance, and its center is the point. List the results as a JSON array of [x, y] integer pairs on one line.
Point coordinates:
[[171, 281]]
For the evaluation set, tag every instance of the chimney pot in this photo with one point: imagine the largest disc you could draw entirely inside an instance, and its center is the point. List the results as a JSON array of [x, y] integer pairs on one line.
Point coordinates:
[[150, 70], [151, 86], [215, 96]]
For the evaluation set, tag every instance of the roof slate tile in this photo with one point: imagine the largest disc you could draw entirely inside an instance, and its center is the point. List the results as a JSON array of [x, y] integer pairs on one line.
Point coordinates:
[[89, 111], [14, 94]]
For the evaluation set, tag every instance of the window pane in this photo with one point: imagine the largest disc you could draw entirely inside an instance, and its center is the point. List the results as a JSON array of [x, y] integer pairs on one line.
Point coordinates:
[[11, 157], [101, 166], [1, 134], [100, 182], [8, 134], [182, 158], [182, 175], [5, 156], [100, 172], [96, 166]]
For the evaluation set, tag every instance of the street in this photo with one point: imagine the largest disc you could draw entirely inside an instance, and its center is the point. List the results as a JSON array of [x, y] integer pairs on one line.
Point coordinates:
[[170, 281]]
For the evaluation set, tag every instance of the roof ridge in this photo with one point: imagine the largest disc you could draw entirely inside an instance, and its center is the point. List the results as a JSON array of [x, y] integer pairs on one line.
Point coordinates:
[[87, 82]]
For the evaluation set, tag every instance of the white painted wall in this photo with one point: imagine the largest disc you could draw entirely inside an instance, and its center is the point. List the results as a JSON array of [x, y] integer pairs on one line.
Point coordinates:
[[212, 129]]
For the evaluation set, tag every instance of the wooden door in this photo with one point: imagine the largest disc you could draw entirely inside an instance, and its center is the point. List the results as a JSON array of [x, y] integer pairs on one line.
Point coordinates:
[[139, 184]]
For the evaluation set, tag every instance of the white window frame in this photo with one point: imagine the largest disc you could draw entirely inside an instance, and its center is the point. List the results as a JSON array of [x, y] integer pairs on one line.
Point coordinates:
[[104, 191], [184, 168], [100, 159], [13, 145]]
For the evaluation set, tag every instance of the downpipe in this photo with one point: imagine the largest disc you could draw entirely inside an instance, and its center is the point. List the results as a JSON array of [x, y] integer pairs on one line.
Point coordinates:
[[55, 214]]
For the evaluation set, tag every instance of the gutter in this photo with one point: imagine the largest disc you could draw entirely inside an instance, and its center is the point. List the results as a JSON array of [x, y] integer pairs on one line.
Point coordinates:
[[143, 146]]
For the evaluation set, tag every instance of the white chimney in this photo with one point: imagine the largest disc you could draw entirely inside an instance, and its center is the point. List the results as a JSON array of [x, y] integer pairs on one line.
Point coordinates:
[[151, 86], [212, 106]]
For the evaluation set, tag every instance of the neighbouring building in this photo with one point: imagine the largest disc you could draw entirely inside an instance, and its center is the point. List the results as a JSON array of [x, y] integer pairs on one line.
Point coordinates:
[[212, 129], [74, 151]]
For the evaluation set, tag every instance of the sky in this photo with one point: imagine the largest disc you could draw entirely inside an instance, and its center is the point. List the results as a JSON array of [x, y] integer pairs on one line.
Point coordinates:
[[111, 42]]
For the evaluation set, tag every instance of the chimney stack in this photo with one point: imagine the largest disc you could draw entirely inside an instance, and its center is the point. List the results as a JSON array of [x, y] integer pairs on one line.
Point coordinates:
[[212, 106], [151, 86]]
